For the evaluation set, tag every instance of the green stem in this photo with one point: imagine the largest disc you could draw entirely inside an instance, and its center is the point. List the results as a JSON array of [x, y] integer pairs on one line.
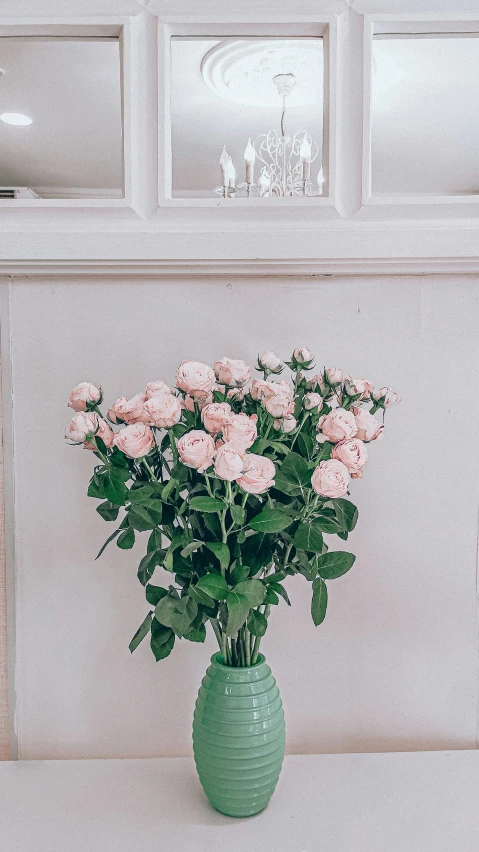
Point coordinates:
[[218, 634], [173, 446], [92, 440], [257, 641], [145, 463], [223, 525]]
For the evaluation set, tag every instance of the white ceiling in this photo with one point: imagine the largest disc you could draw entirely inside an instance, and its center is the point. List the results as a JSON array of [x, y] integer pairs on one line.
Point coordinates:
[[71, 89], [425, 109]]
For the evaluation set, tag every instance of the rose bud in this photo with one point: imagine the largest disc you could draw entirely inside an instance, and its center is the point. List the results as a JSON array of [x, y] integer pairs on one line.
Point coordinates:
[[270, 363], [135, 441], [287, 424], [229, 462], [198, 398], [196, 449], [258, 475], [302, 355], [105, 432], [215, 415], [331, 479], [261, 389], [84, 396], [385, 397], [194, 376], [231, 372], [333, 375], [312, 400], [241, 429], [352, 453], [156, 388], [369, 429], [133, 411], [339, 425], [163, 410], [360, 388], [83, 426], [280, 405]]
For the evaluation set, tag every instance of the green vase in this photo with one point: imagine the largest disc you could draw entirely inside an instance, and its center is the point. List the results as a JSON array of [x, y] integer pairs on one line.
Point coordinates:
[[238, 736]]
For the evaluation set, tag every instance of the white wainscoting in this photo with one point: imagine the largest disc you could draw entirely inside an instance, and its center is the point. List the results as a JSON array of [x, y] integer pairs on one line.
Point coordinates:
[[394, 666]]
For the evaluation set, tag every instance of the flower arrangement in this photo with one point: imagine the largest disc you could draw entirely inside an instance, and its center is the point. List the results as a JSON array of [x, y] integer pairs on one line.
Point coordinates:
[[237, 480]]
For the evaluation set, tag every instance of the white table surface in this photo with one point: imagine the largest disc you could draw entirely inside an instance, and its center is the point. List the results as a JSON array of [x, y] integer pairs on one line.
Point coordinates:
[[418, 802]]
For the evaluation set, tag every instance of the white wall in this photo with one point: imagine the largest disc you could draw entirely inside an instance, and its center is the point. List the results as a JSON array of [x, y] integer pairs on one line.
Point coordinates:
[[394, 666]]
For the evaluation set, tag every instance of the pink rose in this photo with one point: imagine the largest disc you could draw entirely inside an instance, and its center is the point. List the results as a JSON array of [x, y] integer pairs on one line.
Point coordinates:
[[215, 415], [136, 440], [369, 429], [105, 432], [156, 388], [237, 394], [134, 409], [231, 372], [334, 376], [241, 429], [84, 396], [281, 404], [194, 376], [331, 479], [83, 426], [196, 449], [199, 398], [386, 397], [115, 413], [163, 410], [352, 453], [258, 475], [339, 425], [269, 361], [261, 389], [287, 424], [302, 355], [229, 462], [353, 387], [312, 400]]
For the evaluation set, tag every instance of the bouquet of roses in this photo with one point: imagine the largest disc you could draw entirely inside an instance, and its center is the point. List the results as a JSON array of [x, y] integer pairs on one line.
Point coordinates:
[[237, 481]]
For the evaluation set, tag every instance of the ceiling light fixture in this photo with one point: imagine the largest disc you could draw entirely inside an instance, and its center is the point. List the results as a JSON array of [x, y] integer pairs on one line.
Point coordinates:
[[16, 118], [286, 159]]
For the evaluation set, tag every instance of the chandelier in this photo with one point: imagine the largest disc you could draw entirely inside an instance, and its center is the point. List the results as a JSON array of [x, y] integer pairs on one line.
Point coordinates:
[[286, 160]]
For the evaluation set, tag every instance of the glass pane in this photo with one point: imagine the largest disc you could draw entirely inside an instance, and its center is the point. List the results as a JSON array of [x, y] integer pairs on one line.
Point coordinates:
[[224, 94], [425, 103], [60, 118]]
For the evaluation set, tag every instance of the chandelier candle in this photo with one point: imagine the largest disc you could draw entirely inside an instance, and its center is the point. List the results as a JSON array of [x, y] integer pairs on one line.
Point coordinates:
[[238, 485]]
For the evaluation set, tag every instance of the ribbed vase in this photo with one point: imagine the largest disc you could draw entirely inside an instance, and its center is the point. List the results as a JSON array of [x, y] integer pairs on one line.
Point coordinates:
[[238, 736]]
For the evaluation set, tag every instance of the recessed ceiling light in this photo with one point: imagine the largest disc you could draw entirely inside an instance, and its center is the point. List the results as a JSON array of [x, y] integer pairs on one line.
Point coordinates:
[[16, 118]]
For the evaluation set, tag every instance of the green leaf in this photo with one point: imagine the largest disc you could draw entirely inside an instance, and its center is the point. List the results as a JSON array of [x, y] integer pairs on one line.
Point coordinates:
[[127, 539], [270, 521], [190, 548], [293, 476], [253, 590], [324, 453], [168, 489], [333, 565], [257, 623], [108, 511], [180, 472], [207, 504], [140, 634], [185, 612], [275, 578], [241, 572], [238, 609], [200, 596], [154, 594], [279, 447], [306, 444], [319, 601], [214, 585], [154, 541], [271, 597], [196, 634], [308, 537], [141, 494], [238, 514], [114, 485], [346, 513], [107, 542], [257, 551], [147, 566], [162, 640], [143, 518], [179, 430], [221, 551], [280, 590], [96, 490], [165, 610], [212, 523]]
